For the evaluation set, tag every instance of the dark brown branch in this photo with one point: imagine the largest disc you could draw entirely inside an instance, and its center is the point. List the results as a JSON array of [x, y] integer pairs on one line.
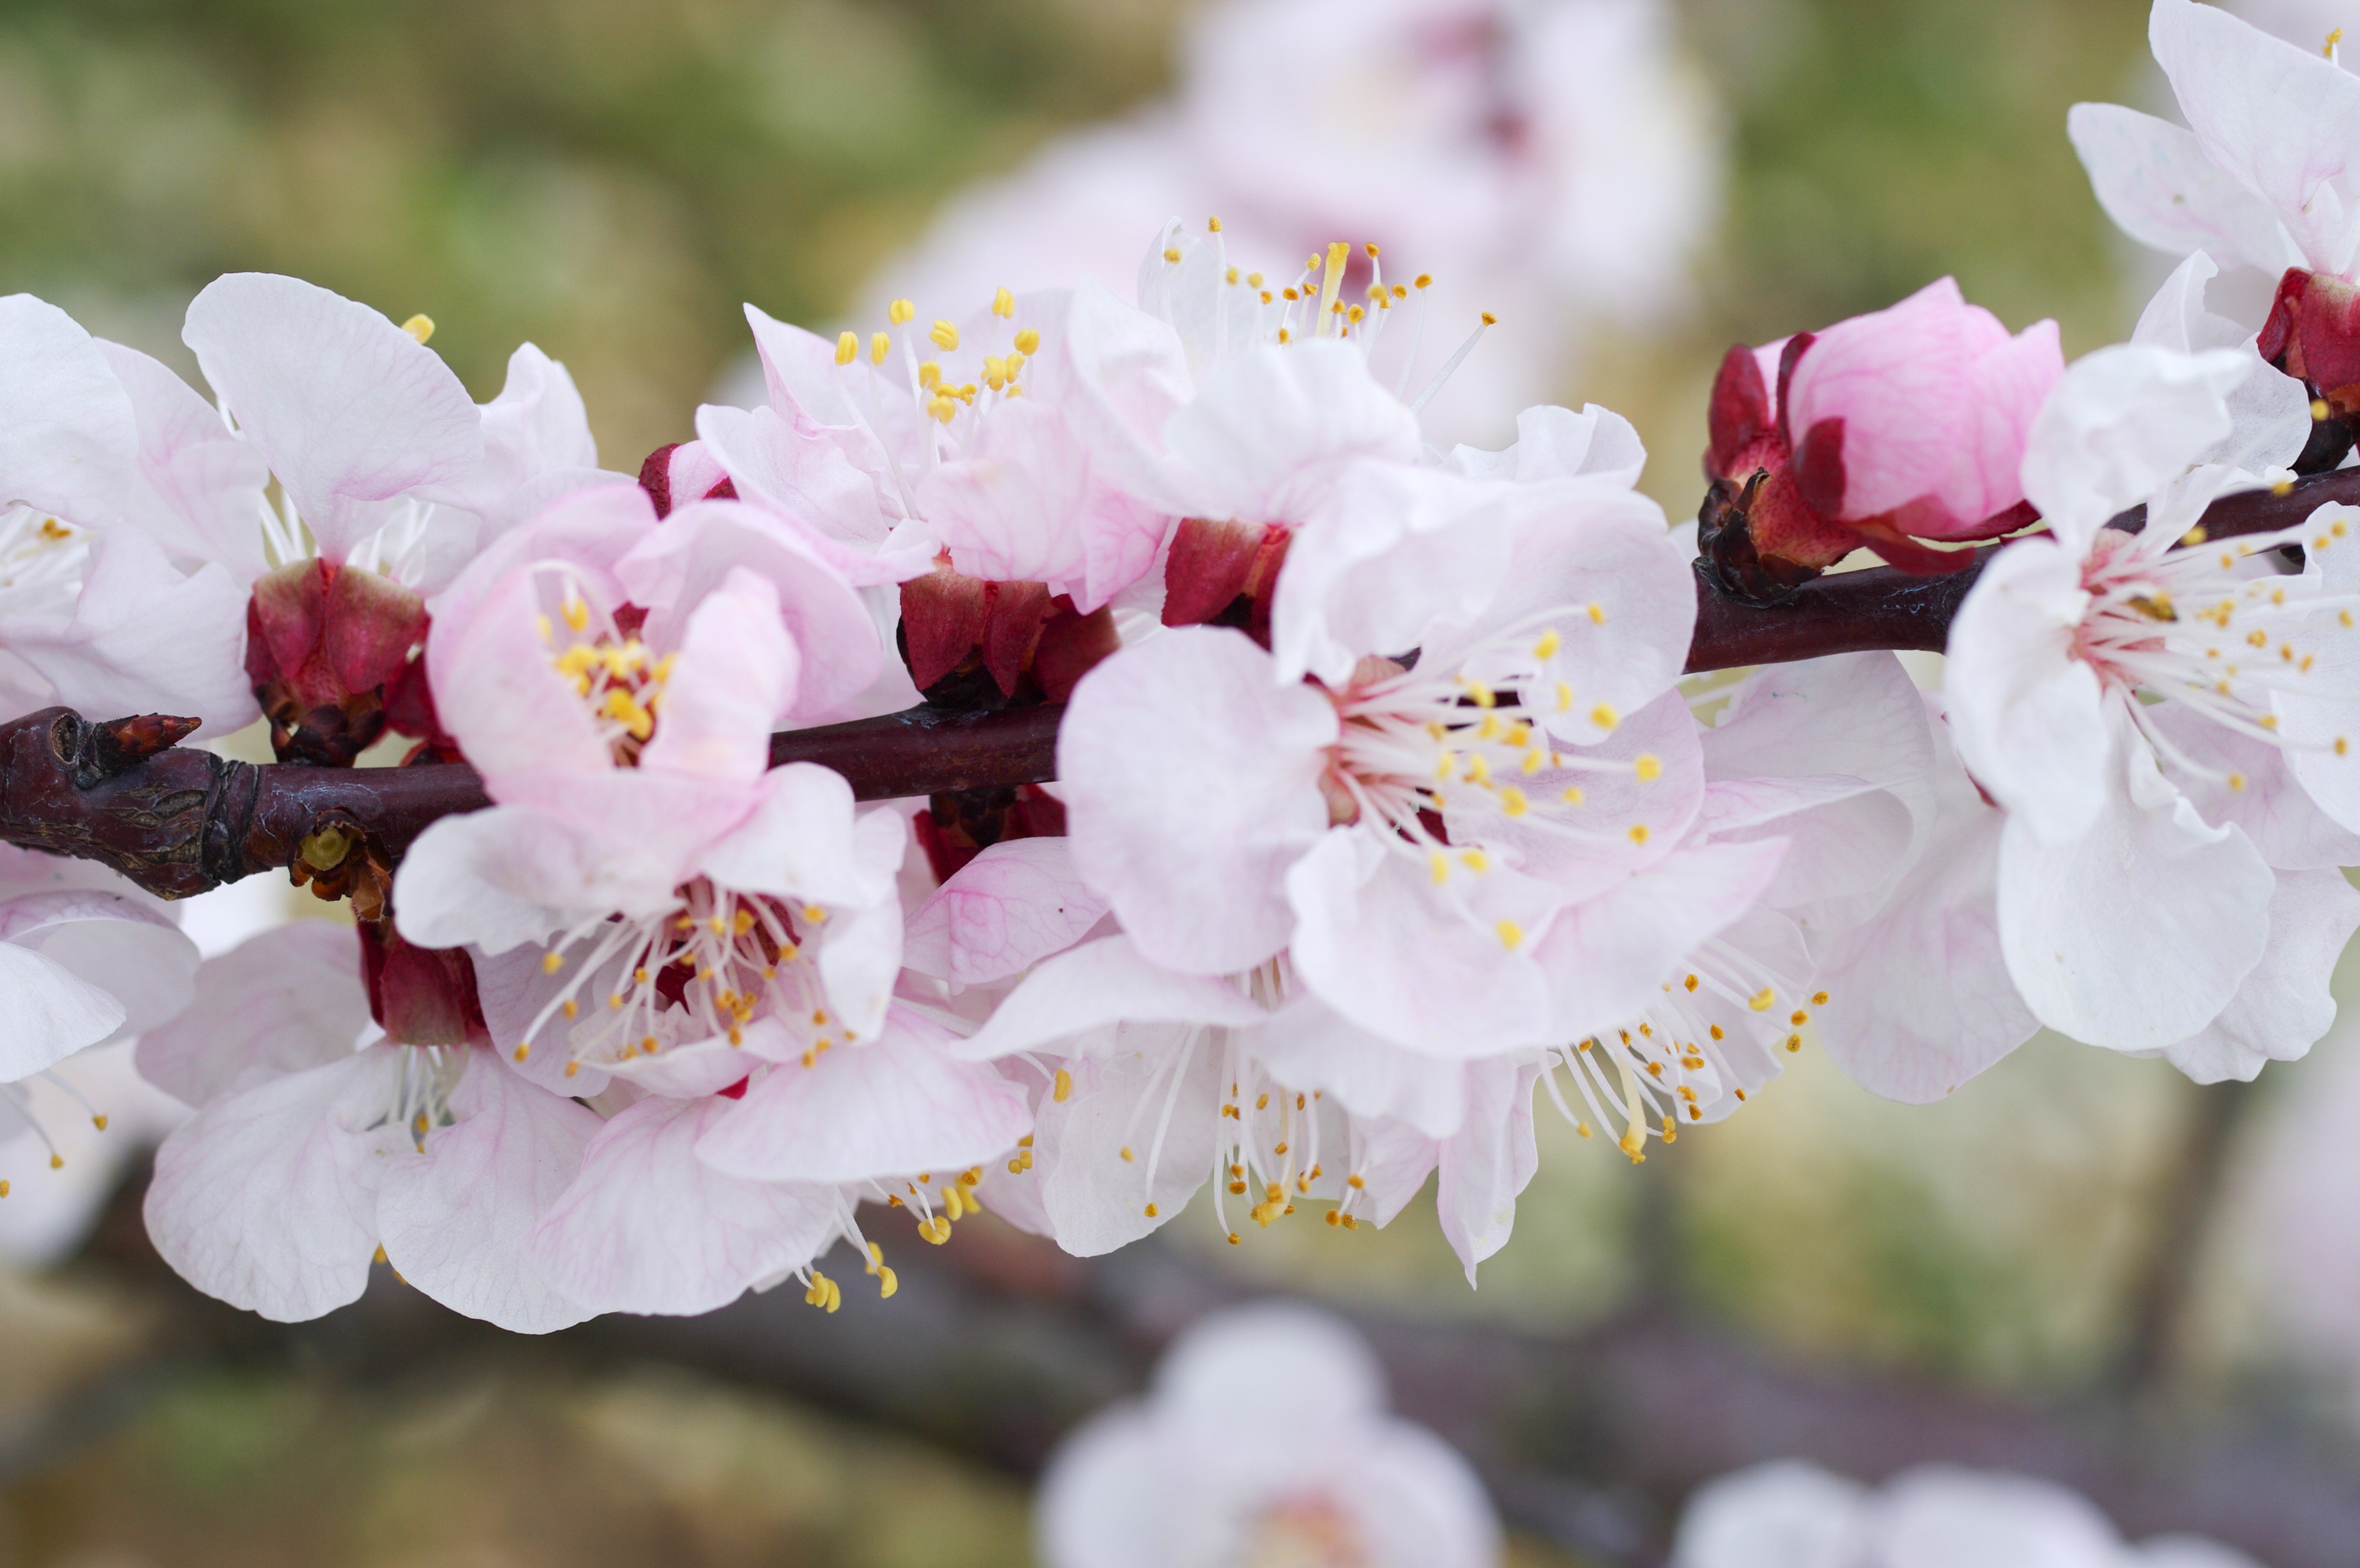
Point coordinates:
[[178, 822]]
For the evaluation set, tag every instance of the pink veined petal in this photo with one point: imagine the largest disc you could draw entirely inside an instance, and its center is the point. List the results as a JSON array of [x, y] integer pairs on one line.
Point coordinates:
[[455, 1220], [1188, 728], [2002, 390], [702, 543], [1557, 443], [802, 474], [1148, 1097], [1267, 431], [198, 490], [736, 669], [144, 639], [537, 447], [2282, 120], [2137, 933], [66, 429], [1096, 987], [648, 1227], [1018, 902], [2273, 808], [513, 988], [2284, 1007], [268, 1199], [1445, 969], [348, 408], [1488, 1162], [2026, 712], [2156, 182], [1014, 505], [805, 840], [1118, 375], [281, 1002], [861, 960], [878, 1108]]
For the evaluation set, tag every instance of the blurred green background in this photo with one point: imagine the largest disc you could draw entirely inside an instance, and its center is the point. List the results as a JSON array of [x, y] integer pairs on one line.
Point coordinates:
[[611, 179]]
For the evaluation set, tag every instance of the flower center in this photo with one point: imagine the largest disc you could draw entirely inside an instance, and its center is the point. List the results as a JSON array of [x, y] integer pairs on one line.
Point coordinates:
[[1302, 1529], [614, 674], [2215, 629]]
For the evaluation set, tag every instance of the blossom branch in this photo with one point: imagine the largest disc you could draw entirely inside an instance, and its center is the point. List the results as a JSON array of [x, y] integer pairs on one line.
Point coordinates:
[[178, 822]]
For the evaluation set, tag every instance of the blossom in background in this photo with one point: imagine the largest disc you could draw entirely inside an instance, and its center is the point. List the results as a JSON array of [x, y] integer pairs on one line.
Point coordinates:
[[1796, 1515], [1886, 430], [1554, 165], [1265, 1439], [2164, 720]]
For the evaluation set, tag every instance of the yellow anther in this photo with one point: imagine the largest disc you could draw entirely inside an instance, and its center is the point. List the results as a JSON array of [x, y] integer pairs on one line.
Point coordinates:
[[1760, 1001], [1648, 766], [1028, 342], [1171, 255], [1604, 717], [1475, 860], [886, 1282], [1064, 1087], [1572, 795], [1004, 304], [523, 1050], [930, 373], [576, 614], [1799, 1018], [551, 962], [1638, 833], [1440, 864], [901, 312], [944, 336], [1512, 935], [2342, 745], [880, 345], [1489, 319], [1549, 645], [572, 1068], [99, 1122], [848, 348], [1512, 802], [420, 326]]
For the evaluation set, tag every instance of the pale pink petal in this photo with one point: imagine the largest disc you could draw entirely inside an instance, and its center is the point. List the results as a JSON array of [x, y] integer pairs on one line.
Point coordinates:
[[348, 408], [805, 841], [144, 639], [1096, 987], [536, 430], [1557, 443], [496, 879], [112, 939], [702, 543], [899, 1103], [52, 1012], [2138, 932], [802, 474], [1893, 378], [2284, 1006], [1100, 1500], [1188, 731], [1118, 375], [282, 1002], [1445, 968], [499, 693], [2025, 711], [2156, 182], [1385, 552], [587, 530], [1268, 430], [2281, 121], [1309, 1046], [268, 1199], [1918, 995], [198, 489], [67, 429], [1788, 1513], [2124, 422], [514, 986], [860, 957], [2000, 392], [1018, 902], [648, 1227], [1946, 1517], [1017, 503], [1488, 1162], [455, 1220], [2270, 806], [1283, 1369], [1605, 960], [736, 669], [1157, 1093]]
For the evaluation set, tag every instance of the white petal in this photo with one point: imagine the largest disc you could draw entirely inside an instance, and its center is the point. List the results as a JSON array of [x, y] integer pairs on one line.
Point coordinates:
[[268, 1199], [648, 1227], [198, 490], [1095, 986], [2156, 182], [2026, 712], [2284, 1006], [348, 408], [493, 880], [1308, 1046], [2137, 933], [2120, 423], [52, 1012], [1784, 1514], [1142, 1095], [1268, 430], [1278, 1367], [455, 1220], [67, 432], [1488, 1162]]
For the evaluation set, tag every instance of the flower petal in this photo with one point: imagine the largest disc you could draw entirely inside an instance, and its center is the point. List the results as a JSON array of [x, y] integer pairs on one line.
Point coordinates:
[[1018, 902], [66, 429], [2026, 714], [2156, 182], [282, 1002], [348, 408], [198, 488], [2285, 1006], [1096, 987]]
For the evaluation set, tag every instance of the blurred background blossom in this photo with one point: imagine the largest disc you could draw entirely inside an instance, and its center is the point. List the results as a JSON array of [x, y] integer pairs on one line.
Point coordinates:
[[2080, 1266]]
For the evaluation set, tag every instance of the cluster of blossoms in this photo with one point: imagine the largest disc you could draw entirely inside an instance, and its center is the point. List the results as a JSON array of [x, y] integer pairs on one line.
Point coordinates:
[[1384, 806]]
